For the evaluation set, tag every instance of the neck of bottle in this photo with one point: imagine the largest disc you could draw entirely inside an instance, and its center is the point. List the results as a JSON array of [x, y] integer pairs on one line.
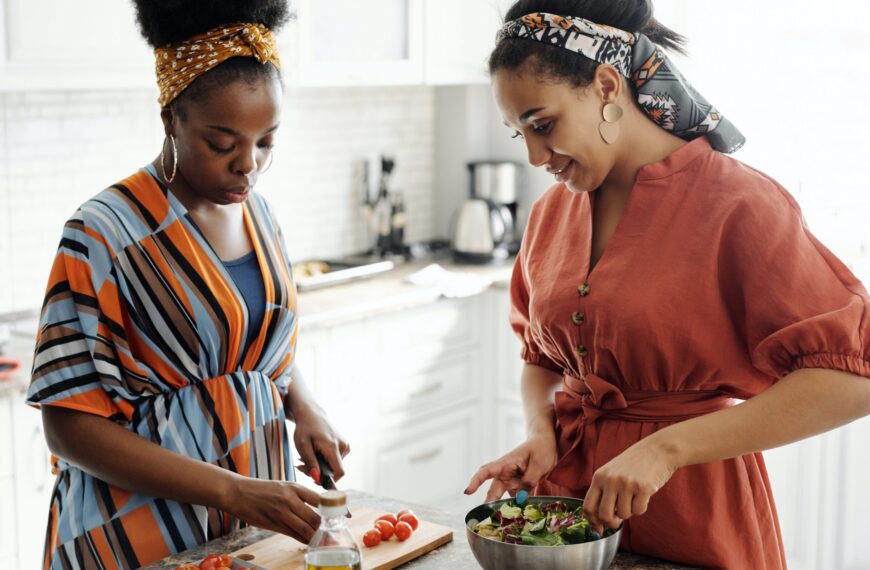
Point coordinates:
[[333, 517]]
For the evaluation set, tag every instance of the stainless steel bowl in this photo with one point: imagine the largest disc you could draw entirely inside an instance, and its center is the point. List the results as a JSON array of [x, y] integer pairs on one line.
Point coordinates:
[[495, 555]]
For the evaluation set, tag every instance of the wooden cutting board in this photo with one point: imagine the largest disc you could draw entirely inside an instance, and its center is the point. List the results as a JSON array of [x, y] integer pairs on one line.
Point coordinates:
[[281, 552]]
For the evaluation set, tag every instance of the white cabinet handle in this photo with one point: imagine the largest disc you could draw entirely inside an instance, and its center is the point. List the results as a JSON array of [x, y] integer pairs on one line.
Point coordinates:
[[428, 456], [431, 389]]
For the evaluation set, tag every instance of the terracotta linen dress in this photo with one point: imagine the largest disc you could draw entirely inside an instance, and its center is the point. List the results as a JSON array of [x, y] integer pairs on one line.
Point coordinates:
[[144, 325], [710, 289]]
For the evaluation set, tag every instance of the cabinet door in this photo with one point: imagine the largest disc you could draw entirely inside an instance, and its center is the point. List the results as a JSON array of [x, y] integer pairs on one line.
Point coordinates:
[[8, 538], [431, 462], [8, 534], [33, 483], [460, 35], [854, 496], [57, 44], [346, 42], [508, 364]]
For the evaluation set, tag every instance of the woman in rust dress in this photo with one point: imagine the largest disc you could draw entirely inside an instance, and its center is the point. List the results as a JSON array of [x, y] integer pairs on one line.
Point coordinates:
[[659, 283]]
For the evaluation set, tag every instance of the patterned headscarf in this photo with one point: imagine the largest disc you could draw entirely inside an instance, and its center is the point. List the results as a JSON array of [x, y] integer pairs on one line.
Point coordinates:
[[178, 65], [662, 92]]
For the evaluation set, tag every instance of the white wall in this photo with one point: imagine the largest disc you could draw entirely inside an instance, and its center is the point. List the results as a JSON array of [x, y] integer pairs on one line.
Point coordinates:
[[58, 149]]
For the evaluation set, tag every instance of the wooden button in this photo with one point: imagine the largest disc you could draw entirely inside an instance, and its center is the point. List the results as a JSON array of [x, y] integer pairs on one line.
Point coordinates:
[[583, 289], [581, 351], [577, 318]]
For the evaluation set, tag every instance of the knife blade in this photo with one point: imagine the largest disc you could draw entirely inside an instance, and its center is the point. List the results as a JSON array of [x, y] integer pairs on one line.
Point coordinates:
[[326, 473]]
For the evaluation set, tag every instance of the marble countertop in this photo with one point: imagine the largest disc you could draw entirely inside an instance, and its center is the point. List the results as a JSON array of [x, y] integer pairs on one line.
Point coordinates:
[[452, 556]]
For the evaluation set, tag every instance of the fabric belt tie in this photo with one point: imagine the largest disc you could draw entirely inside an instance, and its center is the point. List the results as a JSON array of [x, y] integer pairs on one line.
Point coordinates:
[[585, 401]]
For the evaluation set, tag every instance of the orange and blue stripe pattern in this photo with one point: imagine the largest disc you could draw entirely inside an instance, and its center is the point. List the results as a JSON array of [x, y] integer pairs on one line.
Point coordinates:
[[143, 325]]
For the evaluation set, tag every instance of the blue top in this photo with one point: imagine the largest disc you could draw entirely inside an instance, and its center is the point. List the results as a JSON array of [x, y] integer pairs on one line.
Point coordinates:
[[245, 271]]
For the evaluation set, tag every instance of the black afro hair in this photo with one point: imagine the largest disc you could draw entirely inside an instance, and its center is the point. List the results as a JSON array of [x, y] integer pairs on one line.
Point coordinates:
[[165, 22]]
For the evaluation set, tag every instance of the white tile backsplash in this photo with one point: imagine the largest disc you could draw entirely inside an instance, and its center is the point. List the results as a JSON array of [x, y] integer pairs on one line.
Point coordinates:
[[58, 149]]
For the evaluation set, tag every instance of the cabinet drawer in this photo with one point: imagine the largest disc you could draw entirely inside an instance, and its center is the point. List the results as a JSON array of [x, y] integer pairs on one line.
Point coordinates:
[[444, 325], [432, 464], [453, 380]]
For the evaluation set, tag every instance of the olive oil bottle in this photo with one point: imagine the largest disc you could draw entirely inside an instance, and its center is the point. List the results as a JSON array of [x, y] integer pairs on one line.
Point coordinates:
[[333, 547]]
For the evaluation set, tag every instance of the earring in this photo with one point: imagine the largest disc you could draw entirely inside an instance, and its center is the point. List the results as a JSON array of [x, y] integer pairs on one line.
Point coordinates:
[[269, 164], [169, 179], [609, 127]]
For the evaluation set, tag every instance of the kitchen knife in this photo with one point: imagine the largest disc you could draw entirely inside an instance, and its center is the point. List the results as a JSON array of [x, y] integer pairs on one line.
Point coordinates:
[[326, 476]]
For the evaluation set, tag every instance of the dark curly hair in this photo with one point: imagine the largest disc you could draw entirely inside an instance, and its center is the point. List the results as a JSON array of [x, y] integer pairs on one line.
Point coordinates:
[[562, 65], [163, 22]]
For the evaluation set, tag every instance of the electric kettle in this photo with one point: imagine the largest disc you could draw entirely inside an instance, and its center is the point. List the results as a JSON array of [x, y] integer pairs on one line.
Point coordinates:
[[479, 232]]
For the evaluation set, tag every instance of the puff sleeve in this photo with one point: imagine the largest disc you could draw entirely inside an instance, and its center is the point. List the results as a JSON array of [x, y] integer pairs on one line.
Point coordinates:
[[793, 302]]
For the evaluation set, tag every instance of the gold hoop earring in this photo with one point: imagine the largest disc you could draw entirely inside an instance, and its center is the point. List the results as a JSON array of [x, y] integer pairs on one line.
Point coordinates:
[[169, 179], [269, 165], [609, 126]]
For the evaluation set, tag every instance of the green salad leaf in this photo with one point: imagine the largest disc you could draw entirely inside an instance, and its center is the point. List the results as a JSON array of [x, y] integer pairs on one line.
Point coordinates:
[[538, 524]]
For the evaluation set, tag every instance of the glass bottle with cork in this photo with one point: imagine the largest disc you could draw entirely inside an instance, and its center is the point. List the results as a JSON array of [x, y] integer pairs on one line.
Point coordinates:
[[333, 546]]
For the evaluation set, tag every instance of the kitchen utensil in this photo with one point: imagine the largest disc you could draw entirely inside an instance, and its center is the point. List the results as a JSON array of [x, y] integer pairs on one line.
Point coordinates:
[[325, 472], [495, 555], [280, 552]]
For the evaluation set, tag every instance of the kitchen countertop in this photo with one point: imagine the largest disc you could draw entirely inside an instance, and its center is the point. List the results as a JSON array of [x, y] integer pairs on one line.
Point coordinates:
[[388, 292], [452, 556]]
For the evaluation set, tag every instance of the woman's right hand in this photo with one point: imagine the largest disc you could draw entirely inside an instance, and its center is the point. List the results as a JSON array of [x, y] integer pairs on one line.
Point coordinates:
[[521, 468], [275, 505]]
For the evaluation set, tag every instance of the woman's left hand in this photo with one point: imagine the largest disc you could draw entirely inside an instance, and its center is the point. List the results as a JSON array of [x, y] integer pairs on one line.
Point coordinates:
[[314, 433], [622, 487]]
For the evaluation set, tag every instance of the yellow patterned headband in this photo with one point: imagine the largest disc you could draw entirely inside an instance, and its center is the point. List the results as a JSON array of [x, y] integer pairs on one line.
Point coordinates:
[[178, 65]]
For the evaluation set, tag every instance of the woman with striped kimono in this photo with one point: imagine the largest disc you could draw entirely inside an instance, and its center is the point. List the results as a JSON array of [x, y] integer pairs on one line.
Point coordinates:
[[164, 361]]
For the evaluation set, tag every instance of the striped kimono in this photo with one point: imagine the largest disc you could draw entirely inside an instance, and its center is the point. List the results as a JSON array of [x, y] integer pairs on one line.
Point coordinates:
[[143, 325]]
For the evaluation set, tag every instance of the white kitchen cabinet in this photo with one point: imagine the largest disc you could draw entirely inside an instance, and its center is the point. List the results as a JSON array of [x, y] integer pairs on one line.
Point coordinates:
[[459, 38], [5, 437], [440, 453], [56, 44], [853, 497], [509, 364], [8, 529], [33, 482], [346, 42]]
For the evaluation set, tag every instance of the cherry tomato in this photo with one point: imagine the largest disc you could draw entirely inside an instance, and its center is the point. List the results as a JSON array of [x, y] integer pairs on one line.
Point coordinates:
[[228, 562], [404, 512], [210, 562], [411, 519], [386, 528], [372, 538], [403, 531], [388, 517]]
